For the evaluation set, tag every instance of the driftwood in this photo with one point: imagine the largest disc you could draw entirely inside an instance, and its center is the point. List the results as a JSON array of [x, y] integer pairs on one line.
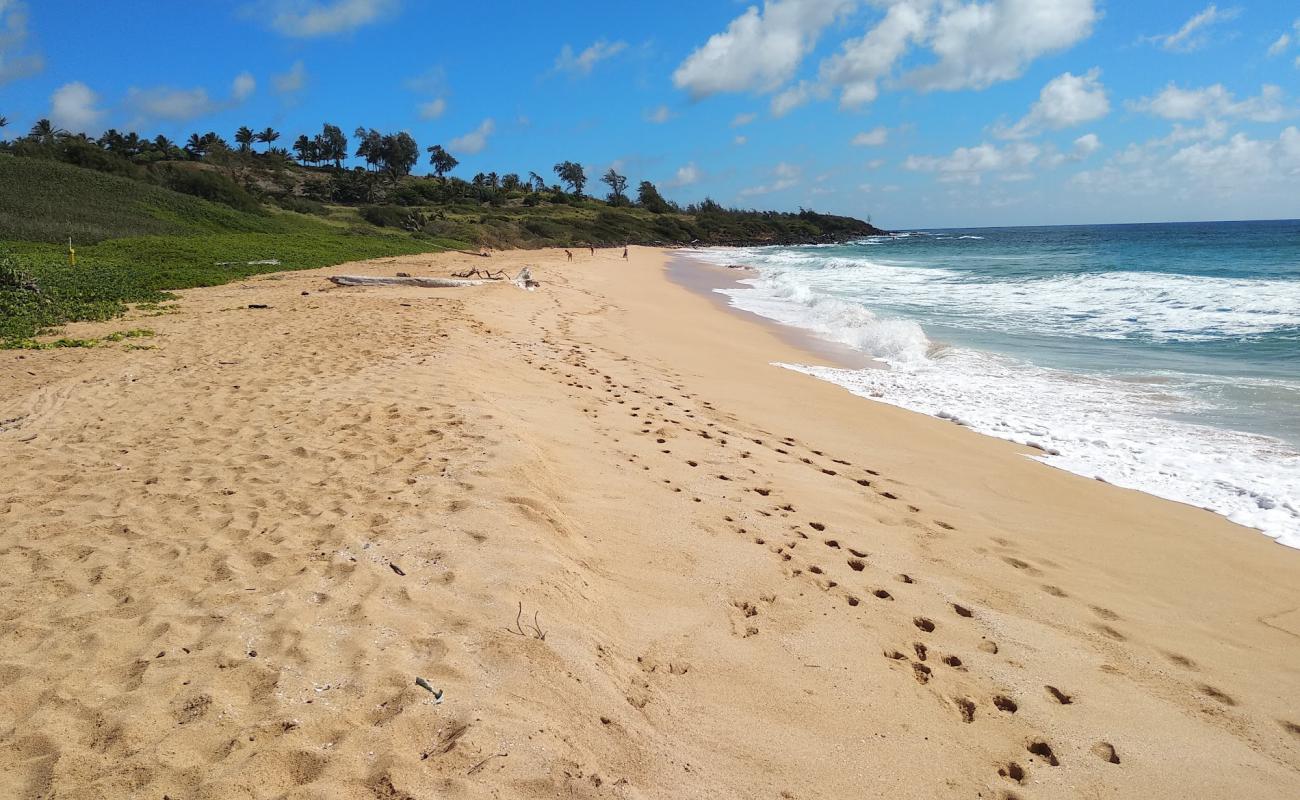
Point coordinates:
[[524, 280], [488, 274]]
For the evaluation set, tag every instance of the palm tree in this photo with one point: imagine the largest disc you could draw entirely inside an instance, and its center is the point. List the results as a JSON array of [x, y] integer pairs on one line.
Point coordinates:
[[269, 135], [3, 122], [304, 148], [244, 138], [196, 146], [44, 132]]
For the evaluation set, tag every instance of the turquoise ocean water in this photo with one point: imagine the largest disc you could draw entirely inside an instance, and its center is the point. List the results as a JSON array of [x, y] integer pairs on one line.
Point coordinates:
[[1161, 357]]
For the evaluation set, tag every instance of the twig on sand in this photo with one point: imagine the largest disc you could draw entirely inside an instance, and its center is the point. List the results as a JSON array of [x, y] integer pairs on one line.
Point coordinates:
[[480, 765], [518, 630]]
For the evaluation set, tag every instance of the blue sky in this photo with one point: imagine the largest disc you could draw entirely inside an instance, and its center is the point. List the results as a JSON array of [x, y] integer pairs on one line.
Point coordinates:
[[920, 113]]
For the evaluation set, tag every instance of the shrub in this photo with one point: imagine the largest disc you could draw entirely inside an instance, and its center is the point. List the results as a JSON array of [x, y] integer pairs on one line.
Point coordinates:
[[210, 186]]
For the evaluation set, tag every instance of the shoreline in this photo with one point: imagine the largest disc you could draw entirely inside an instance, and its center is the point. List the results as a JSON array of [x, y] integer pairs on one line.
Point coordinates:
[[1083, 464], [238, 550]]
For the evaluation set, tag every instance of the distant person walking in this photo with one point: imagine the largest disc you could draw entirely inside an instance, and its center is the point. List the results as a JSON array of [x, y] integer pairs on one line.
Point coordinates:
[[625, 252], [593, 249]]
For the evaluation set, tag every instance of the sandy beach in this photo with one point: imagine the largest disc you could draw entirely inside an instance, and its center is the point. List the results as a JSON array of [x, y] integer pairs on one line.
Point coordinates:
[[636, 559]]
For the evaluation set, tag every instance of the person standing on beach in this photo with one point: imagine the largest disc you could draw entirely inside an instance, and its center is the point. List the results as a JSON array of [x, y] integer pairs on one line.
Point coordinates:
[[593, 249], [625, 252], [568, 255]]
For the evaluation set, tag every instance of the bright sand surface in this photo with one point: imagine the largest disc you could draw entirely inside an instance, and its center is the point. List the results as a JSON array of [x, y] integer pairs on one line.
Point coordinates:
[[751, 583]]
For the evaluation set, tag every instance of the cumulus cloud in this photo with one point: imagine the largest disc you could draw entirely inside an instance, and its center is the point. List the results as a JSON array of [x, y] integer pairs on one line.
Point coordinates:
[[73, 107], [1086, 145], [583, 63], [474, 141], [786, 176], [1216, 101], [15, 60], [872, 138], [980, 44], [291, 81], [306, 19], [179, 105], [686, 175], [742, 119], [243, 87], [1195, 33], [862, 62], [1067, 100], [162, 102], [1236, 165], [968, 164], [432, 109], [759, 50], [658, 115], [974, 45], [1283, 42], [797, 95], [433, 84]]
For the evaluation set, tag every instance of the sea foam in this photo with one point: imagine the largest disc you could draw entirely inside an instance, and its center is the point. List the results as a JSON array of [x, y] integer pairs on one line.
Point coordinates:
[[1136, 434]]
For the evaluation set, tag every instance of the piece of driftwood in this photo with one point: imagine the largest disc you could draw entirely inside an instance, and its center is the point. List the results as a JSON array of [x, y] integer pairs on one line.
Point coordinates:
[[524, 280], [499, 275]]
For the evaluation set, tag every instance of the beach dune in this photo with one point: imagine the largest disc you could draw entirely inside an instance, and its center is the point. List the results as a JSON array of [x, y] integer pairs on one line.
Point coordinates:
[[632, 557]]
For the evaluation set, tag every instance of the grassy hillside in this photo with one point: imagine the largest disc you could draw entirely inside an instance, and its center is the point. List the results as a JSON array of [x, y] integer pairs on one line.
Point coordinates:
[[141, 230], [144, 240]]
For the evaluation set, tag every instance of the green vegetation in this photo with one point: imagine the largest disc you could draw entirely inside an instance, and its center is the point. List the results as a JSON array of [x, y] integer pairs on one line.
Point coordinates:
[[147, 216]]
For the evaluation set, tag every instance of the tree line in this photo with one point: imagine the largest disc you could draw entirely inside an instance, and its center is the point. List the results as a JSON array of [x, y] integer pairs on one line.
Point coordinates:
[[389, 155]]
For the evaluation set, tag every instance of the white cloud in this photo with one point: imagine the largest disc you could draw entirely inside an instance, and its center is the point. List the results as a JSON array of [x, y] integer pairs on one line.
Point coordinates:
[[1215, 101], [311, 18], [968, 164], [291, 81], [981, 44], [876, 163], [179, 105], [787, 177], [15, 61], [432, 109], [685, 176], [1241, 159], [1067, 100], [758, 51], [474, 141], [242, 87], [741, 120], [1086, 145], [583, 63], [72, 107], [1195, 33], [433, 84], [658, 115], [872, 138], [162, 102], [741, 140], [862, 62], [797, 95], [974, 44], [1236, 166], [1283, 42]]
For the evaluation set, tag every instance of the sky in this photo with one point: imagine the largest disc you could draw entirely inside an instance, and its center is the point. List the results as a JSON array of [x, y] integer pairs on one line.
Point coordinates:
[[916, 113]]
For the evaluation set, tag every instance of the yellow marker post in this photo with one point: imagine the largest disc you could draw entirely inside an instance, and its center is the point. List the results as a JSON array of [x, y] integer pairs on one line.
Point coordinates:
[[72, 254]]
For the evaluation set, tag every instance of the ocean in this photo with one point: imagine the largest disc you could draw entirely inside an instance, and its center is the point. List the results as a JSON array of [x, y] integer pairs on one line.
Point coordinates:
[[1159, 357]]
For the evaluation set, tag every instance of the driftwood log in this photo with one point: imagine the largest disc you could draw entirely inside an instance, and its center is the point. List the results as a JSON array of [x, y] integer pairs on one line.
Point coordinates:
[[524, 280]]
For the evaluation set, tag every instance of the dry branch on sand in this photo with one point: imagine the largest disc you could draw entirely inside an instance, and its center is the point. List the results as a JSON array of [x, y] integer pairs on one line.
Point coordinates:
[[524, 280]]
